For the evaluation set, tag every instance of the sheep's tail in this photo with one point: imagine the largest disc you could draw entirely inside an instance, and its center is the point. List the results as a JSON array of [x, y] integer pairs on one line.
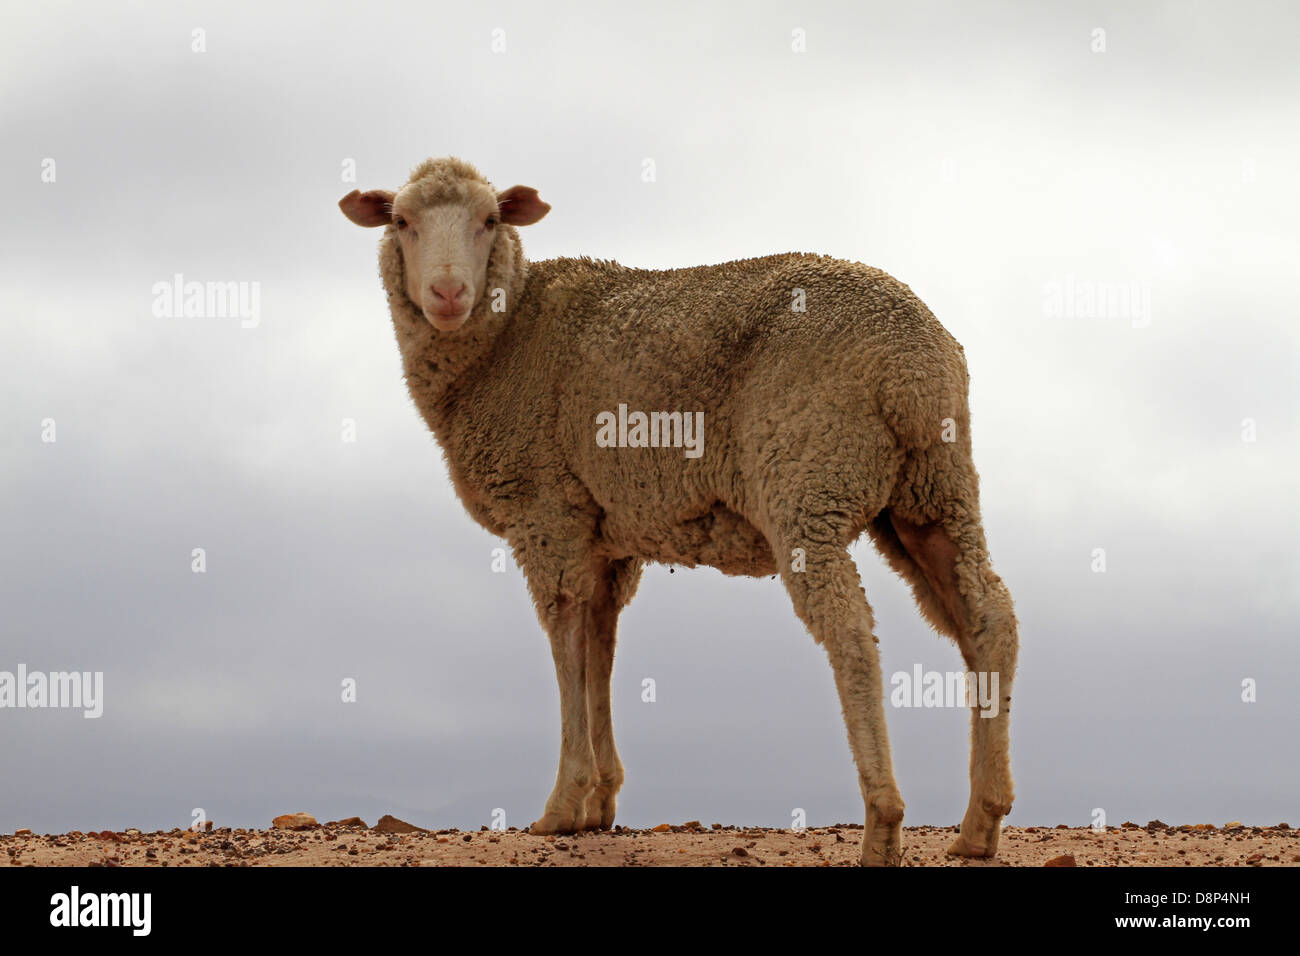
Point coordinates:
[[936, 483], [922, 395]]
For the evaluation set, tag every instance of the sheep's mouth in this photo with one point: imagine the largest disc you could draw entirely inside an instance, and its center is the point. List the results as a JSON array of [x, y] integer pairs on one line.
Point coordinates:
[[446, 322]]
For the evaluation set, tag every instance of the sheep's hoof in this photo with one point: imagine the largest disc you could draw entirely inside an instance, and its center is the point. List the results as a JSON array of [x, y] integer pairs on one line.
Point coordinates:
[[964, 847], [882, 845], [882, 837], [600, 811], [979, 832], [889, 853], [552, 823]]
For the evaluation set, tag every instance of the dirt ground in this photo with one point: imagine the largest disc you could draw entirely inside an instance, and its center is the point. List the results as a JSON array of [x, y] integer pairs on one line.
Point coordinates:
[[395, 843]]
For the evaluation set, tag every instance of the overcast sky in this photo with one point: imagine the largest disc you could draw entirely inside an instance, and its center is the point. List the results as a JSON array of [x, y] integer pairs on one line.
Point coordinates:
[[999, 158]]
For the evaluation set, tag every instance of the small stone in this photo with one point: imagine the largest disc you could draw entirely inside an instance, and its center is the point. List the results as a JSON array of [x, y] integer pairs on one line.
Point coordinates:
[[739, 851], [662, 828], [295, 821], [349, 822], [390, 824], [1063, 860]]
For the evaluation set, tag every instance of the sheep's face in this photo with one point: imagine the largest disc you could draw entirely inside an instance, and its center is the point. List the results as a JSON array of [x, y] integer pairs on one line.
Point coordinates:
[[445, 253], [446, 232]]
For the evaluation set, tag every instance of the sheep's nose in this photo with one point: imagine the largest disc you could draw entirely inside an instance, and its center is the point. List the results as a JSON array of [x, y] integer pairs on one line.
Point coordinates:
[[449, 292]]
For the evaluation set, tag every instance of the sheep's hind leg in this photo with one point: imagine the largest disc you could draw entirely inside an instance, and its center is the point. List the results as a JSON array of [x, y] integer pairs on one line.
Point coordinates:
[[829, 599], [954, 559], [566, 807]]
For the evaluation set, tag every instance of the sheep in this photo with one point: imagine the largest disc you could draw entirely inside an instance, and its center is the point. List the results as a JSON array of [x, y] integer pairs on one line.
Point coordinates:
[[815, 426]]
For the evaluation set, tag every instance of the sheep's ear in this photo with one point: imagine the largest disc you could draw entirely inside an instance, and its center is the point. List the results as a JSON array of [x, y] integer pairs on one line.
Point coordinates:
[[521, 206], [374, 207]]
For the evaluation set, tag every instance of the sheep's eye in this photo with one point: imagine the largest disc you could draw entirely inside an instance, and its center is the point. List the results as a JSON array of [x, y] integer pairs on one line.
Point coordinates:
[[399, 222], [491, 221]]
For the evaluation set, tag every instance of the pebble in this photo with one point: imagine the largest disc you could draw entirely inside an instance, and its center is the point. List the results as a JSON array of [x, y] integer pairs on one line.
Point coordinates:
[[294, 821], [390, 824]]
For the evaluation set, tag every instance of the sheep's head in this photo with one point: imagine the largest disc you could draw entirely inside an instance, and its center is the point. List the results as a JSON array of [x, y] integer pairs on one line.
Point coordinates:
[[449, 244]]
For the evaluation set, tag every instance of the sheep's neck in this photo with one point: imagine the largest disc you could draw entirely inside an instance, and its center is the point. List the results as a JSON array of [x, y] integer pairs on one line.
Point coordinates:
[[437, 364]]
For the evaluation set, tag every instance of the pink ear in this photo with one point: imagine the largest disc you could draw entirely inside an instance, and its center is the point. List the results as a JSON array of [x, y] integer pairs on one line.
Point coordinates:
[[371, 208], [521, 206]]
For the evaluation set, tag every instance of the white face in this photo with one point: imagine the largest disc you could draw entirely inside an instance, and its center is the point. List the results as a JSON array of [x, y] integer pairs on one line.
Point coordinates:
[[446, 246], [445, 251]]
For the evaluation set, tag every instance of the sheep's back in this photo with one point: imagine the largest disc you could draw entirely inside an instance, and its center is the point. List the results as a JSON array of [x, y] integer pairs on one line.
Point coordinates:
[[713, 338]]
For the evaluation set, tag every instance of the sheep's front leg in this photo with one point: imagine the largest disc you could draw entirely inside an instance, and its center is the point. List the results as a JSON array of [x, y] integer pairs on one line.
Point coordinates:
[[602, 801], [566, 808]]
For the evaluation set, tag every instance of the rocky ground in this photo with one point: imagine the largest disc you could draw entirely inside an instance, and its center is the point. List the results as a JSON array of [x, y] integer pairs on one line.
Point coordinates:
[[298, 840]]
